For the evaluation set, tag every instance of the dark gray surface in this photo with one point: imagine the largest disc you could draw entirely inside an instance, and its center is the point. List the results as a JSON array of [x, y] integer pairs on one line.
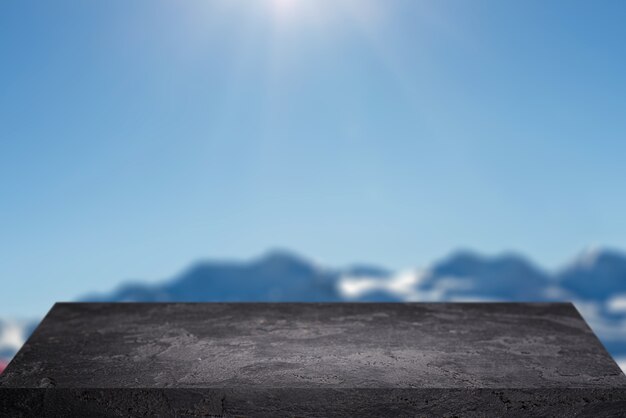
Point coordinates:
[[313, 359]]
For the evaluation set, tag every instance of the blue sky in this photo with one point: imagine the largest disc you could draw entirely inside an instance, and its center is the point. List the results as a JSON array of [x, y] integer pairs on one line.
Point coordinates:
[[136, 137]]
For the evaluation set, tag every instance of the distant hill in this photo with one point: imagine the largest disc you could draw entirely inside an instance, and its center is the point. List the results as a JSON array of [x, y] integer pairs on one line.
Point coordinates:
[[277, 276], [595, 281], [507, 277], [596, 275]]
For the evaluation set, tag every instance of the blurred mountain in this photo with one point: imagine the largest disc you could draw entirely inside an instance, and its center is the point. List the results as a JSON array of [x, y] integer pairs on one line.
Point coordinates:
[[506, 277], [595, 282], [277, 276], [597, 275]]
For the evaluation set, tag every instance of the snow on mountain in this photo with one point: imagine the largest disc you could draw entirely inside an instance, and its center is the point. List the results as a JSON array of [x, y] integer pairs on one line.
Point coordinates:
[[13, 334], [355, 285], [617, 304]]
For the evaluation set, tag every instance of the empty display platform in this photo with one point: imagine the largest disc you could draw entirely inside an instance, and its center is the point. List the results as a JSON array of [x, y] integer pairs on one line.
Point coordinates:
[[291, 359]]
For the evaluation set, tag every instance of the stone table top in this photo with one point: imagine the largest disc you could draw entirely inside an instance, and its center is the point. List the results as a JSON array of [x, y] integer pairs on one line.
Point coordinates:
[[285, 349]]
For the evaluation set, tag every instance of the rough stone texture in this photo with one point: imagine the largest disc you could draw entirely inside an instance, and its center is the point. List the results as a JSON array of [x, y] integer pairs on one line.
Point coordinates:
[[417, 359]]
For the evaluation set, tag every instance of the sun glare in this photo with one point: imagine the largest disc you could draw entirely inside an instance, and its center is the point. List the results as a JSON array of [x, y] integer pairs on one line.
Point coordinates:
[[284, 9], [290, 12]]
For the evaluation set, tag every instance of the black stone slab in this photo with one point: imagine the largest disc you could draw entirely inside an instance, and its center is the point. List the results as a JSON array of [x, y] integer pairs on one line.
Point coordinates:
[[417, 359]]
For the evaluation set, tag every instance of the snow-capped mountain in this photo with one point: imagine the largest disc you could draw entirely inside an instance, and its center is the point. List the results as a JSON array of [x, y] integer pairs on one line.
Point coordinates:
[[595, 281], [462, 276], [597, 275], [12, 336]]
